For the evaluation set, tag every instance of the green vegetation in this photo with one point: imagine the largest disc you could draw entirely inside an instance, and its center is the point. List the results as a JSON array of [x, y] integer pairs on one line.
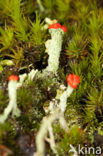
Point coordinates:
[[22, 48]]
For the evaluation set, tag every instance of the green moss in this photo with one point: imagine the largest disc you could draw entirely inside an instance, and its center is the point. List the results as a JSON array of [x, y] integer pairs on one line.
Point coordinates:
[[3, 100], [22, 40]]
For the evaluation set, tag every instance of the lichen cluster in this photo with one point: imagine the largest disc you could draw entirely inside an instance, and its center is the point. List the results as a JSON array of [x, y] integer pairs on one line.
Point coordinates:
[[30, 49]]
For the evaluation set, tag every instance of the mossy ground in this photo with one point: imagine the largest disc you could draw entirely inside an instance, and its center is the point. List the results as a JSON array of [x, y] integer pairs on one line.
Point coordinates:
[[23, 42]]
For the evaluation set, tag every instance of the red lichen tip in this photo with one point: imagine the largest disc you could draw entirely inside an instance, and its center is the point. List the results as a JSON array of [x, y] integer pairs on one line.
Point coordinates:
[[57, 26], [73, 80], [13, 77], [63, 28]]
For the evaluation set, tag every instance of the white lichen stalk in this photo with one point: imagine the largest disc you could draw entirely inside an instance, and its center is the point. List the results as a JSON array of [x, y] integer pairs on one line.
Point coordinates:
[[56, 112], [12, 106], [42, 134], [53, 48], [64, 97], [51, 140], [26, 78]]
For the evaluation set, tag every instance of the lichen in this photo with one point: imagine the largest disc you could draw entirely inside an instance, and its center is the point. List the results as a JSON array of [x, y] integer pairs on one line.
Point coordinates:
[[53, 48]]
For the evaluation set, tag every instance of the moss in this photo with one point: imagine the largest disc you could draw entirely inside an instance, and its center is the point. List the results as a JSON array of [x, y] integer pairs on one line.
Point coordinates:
[[23, 42], [3, 100]]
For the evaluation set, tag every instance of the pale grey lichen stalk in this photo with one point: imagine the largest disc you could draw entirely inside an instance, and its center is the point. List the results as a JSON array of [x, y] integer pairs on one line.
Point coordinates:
[[12, 106], [64, 97], [26, 78], [43, 131], [56, 110], [53, 48]]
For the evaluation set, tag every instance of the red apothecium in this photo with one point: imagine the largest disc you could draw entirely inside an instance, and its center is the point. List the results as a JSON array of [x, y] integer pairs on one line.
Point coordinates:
[[57, 26], [13, 77], [63, 28], [73, 80]]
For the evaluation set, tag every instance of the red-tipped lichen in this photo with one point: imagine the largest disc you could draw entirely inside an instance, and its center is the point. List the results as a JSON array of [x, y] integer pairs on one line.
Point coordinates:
[[73, 80]]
